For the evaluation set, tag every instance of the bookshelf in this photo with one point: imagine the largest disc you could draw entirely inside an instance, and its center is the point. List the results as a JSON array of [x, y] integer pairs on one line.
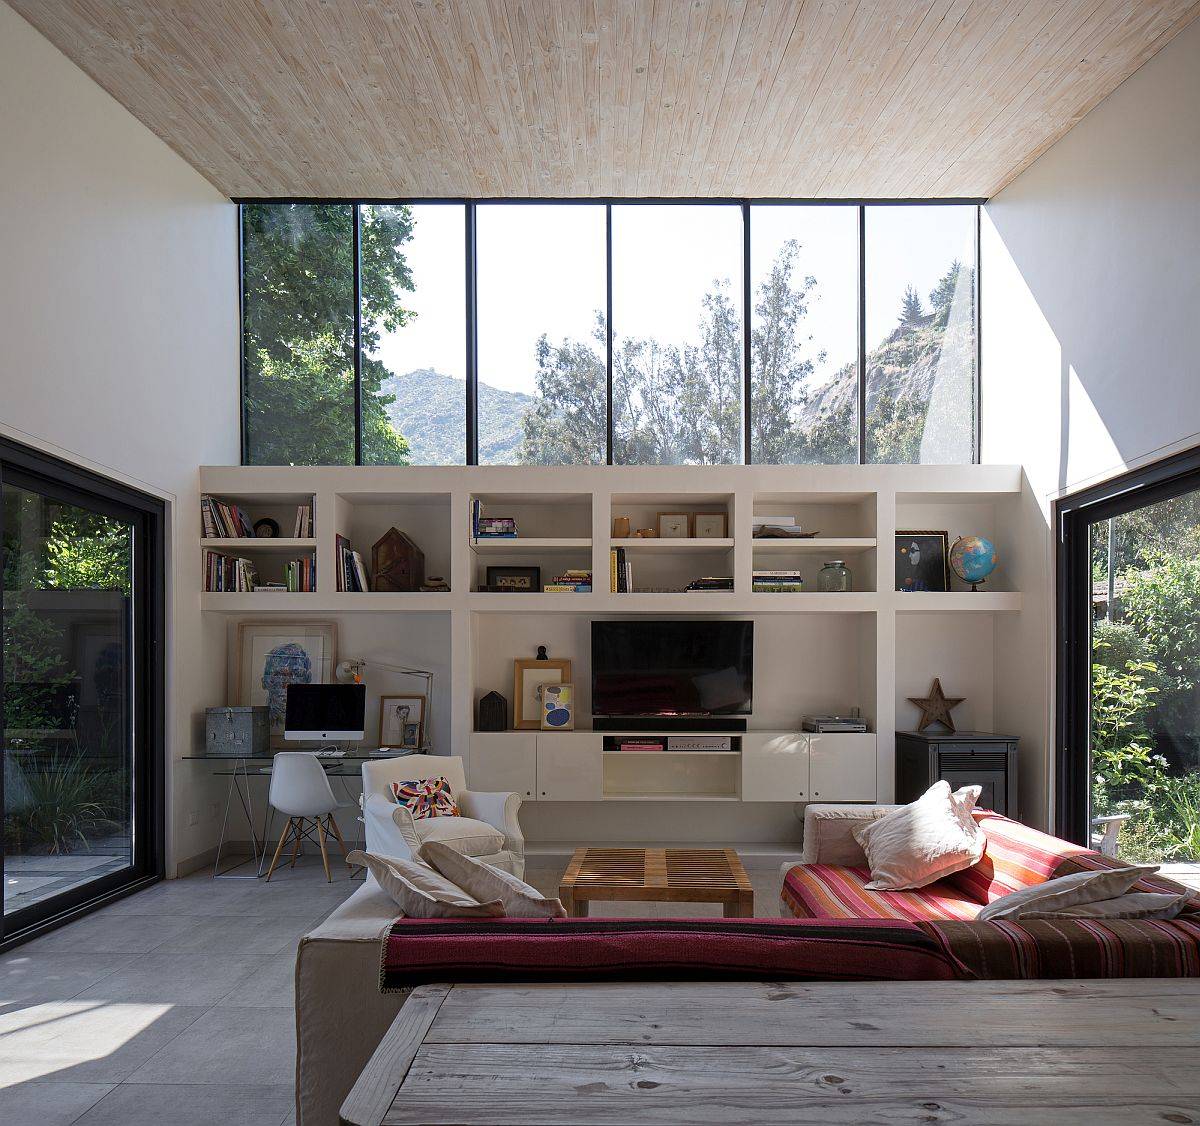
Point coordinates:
[[814, 650]]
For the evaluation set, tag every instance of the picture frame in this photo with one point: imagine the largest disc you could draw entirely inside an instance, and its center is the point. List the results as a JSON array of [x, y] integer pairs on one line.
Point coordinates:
[[269, 655], [710, 525], [528, 676], [402, 721], [556, 710], [674, 525], [922, 561], [514, 580]]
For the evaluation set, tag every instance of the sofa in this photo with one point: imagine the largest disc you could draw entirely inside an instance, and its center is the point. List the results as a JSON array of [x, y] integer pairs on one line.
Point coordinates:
[[354, 971]]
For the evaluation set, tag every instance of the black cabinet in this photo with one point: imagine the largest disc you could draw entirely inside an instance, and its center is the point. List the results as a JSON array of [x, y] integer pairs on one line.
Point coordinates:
[[966, 758]]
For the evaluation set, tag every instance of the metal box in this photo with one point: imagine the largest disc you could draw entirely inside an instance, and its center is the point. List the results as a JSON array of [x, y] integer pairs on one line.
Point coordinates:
[[238, 732], [965, 758]]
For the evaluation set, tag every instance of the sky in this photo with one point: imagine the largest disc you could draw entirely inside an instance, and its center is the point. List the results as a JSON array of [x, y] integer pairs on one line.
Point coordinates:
[[541, 268]]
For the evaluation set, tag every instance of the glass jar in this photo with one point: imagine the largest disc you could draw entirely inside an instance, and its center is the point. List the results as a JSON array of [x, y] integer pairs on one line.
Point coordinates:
[[835, 577]]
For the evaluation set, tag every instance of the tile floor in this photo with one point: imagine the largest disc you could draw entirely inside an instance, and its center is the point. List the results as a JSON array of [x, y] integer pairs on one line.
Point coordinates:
[[175, 1005]]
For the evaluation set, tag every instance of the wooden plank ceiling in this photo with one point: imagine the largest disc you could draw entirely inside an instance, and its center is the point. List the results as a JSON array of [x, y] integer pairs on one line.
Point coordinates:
[[824, 98]]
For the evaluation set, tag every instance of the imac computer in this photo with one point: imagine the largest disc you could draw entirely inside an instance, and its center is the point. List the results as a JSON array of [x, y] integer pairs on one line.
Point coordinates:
[[334, 713]]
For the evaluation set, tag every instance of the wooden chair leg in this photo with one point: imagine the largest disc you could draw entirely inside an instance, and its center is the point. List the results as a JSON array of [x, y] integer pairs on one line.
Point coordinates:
[[299, 841], [282, 839], [333, 825], [324, 854]]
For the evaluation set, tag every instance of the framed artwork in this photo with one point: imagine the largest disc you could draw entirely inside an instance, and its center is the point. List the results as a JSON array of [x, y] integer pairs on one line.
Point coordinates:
[[710, 525], [268, 656], [922, 561], [514, 580], [528, 678], [402, 722], [674, 525], [557, 707]]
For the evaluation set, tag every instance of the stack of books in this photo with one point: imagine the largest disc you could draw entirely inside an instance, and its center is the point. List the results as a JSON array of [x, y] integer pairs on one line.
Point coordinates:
[[774, 527], [301, 575], [620, 572], [575, 580], [225, 574], [711, 583], [491, 527], [304, 525], [777, 582], [351, 574], [223, 521]]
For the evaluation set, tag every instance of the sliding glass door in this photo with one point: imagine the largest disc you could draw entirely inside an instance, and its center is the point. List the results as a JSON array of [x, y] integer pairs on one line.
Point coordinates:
[[1130, 766], [80, 687]]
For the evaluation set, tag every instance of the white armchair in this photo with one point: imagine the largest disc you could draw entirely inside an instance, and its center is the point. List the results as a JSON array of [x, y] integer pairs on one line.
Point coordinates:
[[487, 830]]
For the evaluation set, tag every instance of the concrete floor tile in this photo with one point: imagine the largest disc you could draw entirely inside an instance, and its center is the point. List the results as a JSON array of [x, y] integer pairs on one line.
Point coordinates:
[[50, 1103], [149, 1104], [179, 979]]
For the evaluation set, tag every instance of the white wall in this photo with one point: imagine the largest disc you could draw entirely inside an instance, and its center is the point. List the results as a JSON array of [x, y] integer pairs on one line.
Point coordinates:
[[1091, 287], [118, 312]]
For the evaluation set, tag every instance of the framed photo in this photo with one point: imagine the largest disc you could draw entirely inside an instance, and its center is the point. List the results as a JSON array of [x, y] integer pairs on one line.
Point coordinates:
[[922, 561], [402, 722], [674, 525], [557, 707], [710, 525], [528, 678], [514, 580], [268, 656]]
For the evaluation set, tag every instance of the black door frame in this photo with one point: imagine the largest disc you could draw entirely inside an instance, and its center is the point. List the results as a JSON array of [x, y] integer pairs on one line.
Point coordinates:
[[23, 467], [1074, 516]]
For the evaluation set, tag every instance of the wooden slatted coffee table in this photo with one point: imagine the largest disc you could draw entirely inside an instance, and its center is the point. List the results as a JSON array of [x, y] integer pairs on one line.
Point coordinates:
[[657, 875]]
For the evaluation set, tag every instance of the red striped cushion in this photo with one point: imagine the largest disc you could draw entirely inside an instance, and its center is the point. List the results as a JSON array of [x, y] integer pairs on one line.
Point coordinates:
[[1016, 857], [827, 891]]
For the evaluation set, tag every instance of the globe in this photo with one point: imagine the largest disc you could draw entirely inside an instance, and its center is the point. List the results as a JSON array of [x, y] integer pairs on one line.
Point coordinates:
[[973, 558]]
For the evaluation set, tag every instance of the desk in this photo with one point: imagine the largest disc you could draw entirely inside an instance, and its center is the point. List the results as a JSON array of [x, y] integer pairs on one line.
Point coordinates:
[[239, 771]]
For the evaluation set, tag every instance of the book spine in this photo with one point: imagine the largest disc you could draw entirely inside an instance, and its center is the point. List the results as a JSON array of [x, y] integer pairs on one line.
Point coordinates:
[[612, 570]]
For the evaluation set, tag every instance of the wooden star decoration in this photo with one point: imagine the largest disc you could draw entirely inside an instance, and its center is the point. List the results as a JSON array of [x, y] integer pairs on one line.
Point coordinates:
[[935, 708]]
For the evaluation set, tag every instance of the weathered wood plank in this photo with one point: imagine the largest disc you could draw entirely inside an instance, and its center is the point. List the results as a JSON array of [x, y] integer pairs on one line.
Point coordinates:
[[502, 1083], [836, 1014], [376, 1087]]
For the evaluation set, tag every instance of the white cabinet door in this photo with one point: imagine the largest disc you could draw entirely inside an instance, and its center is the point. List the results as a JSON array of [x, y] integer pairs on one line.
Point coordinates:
[[504, 761], [775, 767], [569, 766], [841, 767]]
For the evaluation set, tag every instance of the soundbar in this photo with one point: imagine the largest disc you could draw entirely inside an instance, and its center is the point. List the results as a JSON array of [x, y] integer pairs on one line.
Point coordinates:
[[667, 723]]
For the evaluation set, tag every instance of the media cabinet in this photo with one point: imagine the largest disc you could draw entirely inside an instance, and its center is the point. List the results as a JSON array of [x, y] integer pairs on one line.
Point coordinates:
[[869, 648]]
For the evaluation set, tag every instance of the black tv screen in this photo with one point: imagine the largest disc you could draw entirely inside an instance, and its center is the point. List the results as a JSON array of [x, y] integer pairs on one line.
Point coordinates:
[[647, 668]]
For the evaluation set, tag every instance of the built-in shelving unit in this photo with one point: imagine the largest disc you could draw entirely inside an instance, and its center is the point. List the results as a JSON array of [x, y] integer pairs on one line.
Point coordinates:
[[869, 648]]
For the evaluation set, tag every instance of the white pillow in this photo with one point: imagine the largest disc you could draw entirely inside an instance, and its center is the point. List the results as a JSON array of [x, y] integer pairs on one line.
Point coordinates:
[[920, 843], [1053, 897], [1131, 905], [422, 893], [520, 900]]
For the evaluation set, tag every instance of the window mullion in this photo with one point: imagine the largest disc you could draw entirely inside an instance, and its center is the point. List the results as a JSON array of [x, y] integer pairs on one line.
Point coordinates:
[[358, 395], [746, 299], [862, 334]]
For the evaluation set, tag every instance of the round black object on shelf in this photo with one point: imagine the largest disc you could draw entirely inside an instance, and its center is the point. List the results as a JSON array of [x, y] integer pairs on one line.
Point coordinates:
[[266, 529]]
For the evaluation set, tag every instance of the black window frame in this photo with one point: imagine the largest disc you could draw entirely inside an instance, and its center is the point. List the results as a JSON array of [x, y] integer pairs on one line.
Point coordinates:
[[1074, 516], [25, 467], [471, 354]]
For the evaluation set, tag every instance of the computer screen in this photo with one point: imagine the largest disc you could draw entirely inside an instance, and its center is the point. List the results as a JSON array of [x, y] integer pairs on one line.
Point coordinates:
[[325, 711]]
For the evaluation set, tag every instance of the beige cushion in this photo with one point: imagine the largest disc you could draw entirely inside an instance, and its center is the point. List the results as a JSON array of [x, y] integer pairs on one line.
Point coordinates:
[[918, 844], [1056, 896], [521, 900], [422, 893], [829, 832], [1131, 905], [463, 834]]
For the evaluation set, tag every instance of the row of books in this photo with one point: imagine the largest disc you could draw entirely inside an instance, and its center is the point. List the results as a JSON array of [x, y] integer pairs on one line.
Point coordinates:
[[491, 527], [711, 583], [574, 580], [351, 574], [620, 572], [221, 520], [301, 575], [777, 582], [225, 574]]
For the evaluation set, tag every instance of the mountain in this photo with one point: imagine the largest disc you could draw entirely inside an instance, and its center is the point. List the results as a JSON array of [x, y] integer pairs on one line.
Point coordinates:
[[428, 411]]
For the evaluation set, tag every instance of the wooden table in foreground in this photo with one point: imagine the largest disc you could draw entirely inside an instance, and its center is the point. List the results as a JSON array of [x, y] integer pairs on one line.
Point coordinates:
[[657, 875], [1067, 1053]]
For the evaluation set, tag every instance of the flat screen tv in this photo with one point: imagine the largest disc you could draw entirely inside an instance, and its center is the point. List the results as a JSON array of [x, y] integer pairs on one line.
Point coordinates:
[[672, 668]]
